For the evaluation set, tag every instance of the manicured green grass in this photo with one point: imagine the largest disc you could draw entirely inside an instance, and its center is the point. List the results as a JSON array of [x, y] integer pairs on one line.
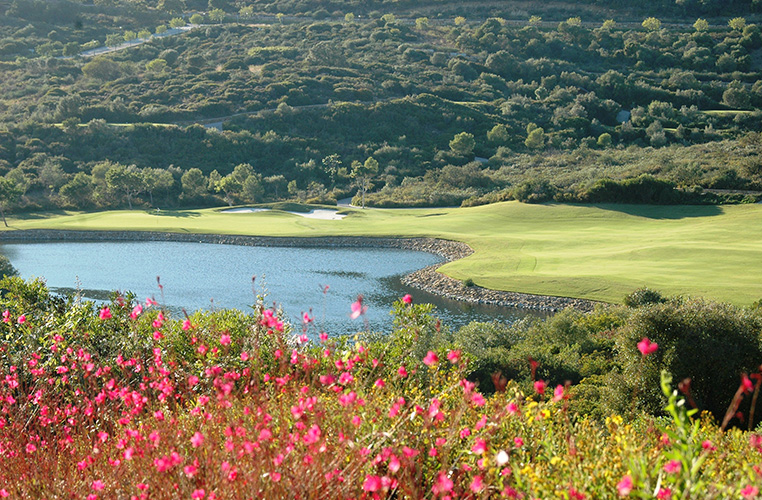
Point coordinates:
[[599, 252]]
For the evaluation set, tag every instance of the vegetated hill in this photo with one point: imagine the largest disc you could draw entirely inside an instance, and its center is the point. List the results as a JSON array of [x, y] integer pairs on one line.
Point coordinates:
[[546, 109]]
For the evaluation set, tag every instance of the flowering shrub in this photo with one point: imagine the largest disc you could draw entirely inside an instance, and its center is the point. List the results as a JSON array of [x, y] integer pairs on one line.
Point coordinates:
[[124, 401]]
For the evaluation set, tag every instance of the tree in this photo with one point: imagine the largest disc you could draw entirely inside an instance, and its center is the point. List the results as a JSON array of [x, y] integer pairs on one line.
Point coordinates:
[[604, 140], [701, 25], [79, 190], [737, 23], [161, 29], [196, 19], [331, 166], [6, 268], [193, 184], [463, 144], [276, 183], [156, 179], [114, 40], [71, 49], [130, 35], [363, 173], [156, 66], [9, 193], [736, 96], [246, 12], [422, 23], [176, 22], [216, 15], [499, 134], [171, 6], [535, 139], [651, 24], [349, 17], [144, 34], [125, 180], [102, 68], [459, 21], [656, 135], [229, 186]]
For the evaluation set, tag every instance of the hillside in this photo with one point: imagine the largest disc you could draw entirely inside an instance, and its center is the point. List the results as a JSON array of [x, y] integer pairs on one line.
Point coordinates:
[[476, 103]]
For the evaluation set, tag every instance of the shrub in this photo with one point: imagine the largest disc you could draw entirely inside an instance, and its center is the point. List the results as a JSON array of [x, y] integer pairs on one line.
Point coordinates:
[[643, 297], [708, 342]]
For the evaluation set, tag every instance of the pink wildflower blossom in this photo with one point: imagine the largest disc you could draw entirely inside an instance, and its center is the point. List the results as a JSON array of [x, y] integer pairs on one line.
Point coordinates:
[[647, 347], [105, 313], [624, 487], [357, 308], [407, 299], [430, 359], [673, 467]]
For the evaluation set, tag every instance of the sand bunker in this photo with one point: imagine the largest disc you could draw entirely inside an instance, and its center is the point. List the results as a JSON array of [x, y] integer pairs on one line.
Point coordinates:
[[319, 213]]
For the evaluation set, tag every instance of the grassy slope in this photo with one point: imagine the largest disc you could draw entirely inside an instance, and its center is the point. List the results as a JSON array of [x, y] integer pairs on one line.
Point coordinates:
[[599, 252]]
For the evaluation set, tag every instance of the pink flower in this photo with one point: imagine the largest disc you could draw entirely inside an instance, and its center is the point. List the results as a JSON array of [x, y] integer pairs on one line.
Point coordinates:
[[136, 311], [105, 313], [22, 319], [402, 372], [749, 492], [357, 308], [746, 384], [539, 386], [454, 356], [442, 485], [673, 467], [558, 394], [187, 325], [430, 359], [624, 487], [275, 476], [479, 447], [6, 316], [197, 440], [664, 494], [225, 339], [407, 299], [647, 347], [372, 483], [477, 484], [98, 485], [477, 399], [31, 448], [198, 494]]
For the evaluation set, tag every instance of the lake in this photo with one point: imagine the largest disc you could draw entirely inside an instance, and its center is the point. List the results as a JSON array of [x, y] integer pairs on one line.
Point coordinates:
[[218, 276]]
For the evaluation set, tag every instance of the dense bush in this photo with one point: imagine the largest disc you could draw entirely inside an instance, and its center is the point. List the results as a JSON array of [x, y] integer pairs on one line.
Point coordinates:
[[122, 400], [712, 344]]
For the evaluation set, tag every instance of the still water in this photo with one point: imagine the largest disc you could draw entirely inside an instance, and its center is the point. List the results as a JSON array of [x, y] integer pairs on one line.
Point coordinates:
[[216, 276]]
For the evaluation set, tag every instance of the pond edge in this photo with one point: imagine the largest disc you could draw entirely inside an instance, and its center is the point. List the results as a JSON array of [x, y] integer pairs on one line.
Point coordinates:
[[427, 279]]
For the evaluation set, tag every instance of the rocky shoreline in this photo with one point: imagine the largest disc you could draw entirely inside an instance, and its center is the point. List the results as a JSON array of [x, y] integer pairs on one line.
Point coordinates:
[[427, 279]]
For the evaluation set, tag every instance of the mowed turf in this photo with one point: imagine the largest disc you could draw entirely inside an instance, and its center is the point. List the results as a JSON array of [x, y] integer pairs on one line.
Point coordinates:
[[599, 252]]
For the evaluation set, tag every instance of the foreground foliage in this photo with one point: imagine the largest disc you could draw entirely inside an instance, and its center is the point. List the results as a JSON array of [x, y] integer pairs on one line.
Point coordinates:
[[123, 402]]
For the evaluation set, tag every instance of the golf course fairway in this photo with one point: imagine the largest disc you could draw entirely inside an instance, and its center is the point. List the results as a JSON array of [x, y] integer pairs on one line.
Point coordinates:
[[598, 252]]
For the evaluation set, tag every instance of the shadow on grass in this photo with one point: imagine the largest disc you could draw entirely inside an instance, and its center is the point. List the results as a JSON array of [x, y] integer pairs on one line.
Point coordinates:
[[174, 213], [662, 211], [37, 215]]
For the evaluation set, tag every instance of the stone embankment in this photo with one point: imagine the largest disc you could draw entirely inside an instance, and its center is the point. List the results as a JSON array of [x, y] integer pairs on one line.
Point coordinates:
[[427, 279]]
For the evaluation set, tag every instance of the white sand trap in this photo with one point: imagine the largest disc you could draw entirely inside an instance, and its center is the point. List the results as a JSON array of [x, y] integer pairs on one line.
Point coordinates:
[[244, 210], [319, 213]]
